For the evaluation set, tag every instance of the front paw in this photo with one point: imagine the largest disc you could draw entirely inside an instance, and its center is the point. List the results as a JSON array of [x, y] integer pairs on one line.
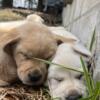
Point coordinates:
[[4, 83]]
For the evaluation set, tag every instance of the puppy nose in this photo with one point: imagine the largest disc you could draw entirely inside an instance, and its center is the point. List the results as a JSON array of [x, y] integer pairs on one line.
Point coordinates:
[[35, 76], [74, 96]]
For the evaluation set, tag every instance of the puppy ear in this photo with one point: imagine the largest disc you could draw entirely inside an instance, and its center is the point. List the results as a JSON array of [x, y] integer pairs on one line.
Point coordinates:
[[8, 40], [34, 18], [78, 47], [62, 39], [61, 35]]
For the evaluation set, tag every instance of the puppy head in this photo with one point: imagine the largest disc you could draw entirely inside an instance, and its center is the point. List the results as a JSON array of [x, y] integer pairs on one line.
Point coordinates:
[[69, 84], [27, 41], [69, 89], [31, 71]]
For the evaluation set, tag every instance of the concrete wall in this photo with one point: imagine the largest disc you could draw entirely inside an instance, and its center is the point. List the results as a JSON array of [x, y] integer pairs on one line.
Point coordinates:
[[81, 18]]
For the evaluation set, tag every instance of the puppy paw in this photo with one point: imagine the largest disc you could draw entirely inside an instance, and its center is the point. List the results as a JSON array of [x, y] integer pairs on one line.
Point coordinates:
[[53, 84], [4, 83]]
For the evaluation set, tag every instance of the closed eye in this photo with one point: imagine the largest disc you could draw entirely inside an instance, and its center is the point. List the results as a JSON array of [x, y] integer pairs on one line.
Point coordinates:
[[25, 55], [79, 77]]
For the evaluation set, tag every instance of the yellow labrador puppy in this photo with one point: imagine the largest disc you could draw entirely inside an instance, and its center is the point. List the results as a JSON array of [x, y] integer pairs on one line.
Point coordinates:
[[19, 42], [65, 84]]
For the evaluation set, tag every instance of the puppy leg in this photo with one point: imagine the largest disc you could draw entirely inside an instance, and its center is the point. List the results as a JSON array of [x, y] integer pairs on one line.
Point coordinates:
[[53, 84], [4, 83]]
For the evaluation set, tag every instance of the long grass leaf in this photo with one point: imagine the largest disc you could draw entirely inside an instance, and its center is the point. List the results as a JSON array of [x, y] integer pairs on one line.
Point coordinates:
[[86, 75], [92, 41], [49, 62], [96, 91], [87, 98]]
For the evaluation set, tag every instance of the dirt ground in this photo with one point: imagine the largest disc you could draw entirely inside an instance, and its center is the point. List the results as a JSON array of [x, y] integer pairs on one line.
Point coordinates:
[[22, 92]]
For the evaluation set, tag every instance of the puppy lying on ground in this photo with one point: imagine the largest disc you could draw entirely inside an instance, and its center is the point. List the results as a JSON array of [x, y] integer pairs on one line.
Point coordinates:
[[65, 84], [19, 41]]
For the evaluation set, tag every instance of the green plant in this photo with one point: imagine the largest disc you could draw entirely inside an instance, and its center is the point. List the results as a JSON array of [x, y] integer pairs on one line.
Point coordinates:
[[66, 67], [92, 41], [92, 87]]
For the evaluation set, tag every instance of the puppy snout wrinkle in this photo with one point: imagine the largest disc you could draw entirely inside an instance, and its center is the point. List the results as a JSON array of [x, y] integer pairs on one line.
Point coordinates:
[[74, 95], [35, 76]]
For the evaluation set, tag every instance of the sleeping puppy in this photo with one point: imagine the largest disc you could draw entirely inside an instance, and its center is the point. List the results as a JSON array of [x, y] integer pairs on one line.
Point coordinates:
[[19, 42], [66, 84]]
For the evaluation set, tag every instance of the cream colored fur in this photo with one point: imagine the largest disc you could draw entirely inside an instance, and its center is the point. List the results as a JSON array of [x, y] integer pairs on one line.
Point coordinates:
[[63, 82]]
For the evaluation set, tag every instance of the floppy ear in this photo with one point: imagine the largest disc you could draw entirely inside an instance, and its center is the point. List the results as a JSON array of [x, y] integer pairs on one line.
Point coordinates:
[[7, 40], [78, 47], [35, 18], [62, 39], [61, 35]]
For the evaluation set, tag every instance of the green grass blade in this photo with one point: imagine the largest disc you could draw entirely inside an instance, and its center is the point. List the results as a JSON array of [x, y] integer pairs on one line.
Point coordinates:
[[96, 91], [92, 41], [87, 77], [49, 62], [87, 98]]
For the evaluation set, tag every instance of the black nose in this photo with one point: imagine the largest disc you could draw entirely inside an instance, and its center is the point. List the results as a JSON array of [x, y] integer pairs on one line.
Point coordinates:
[[35, 76], [75, 96]]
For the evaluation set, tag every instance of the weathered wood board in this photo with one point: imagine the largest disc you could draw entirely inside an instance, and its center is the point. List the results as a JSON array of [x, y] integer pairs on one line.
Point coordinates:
[[81, 18]]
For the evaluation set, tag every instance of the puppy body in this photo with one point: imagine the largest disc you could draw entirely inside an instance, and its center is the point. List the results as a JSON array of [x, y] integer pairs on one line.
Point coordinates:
[[8, 71], [63, 83]]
